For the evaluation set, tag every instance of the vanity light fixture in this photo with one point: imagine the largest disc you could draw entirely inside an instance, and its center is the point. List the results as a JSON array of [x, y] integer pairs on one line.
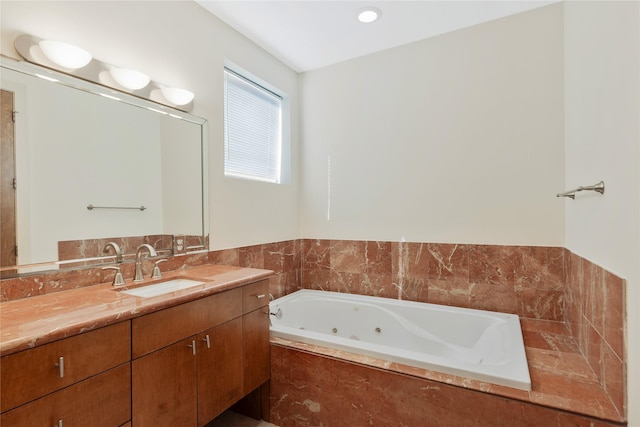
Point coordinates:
[[369, 14], [129, 79], [73, 61], [177, 96], [64, 54]]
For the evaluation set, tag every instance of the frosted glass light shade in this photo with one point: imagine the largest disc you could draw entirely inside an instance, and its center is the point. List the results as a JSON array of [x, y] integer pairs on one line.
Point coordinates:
[[177, 96], [130, 79], [64, 54]]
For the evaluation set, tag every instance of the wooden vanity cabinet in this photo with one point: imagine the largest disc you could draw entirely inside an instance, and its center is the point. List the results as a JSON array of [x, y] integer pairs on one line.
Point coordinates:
[[191, 361], [80, 380]]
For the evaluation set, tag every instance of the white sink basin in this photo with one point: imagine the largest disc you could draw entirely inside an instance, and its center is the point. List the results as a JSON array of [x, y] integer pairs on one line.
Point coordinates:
[[162, 288]]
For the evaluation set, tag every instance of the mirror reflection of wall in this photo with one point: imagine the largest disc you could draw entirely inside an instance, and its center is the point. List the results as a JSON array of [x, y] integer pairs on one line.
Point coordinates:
[[75, 148]]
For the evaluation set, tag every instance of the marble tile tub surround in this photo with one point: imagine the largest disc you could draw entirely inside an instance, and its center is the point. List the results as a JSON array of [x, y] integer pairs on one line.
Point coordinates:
[[309, 388], [524, 280]]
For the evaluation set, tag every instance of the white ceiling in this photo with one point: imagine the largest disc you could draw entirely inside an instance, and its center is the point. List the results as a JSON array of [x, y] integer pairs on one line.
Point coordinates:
[[309, 34]]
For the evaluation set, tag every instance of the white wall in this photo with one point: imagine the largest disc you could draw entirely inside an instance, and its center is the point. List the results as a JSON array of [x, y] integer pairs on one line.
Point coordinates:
[[180, 44], [602, 105], [457, 138]]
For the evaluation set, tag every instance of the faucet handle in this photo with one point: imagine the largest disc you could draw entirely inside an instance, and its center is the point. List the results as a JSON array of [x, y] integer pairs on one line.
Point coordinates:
[[156, 273], [118, 280]]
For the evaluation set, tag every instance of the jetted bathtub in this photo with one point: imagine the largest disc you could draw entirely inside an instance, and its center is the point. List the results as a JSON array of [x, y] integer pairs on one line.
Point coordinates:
[[477, 344]]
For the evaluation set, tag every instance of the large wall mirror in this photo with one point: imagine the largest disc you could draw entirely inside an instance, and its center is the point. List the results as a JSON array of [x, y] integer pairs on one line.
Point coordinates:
[[92, 165]]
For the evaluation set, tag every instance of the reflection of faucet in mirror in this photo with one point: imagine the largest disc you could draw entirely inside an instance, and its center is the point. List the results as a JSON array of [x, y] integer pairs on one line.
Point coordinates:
[[116, 249], [139, 275]]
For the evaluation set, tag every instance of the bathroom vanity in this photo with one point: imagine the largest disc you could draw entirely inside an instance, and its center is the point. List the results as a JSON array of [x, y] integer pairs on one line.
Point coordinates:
[[97, 356]]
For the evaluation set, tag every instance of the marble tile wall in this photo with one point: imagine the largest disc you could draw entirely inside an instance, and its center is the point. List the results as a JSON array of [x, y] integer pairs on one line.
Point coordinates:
[[281, 257], [524, 280], [596, 313], [88, 248]]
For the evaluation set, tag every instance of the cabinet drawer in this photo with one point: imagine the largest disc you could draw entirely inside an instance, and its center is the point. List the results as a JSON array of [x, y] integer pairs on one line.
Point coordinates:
[[255, 295], [32, 373], [156, 330], [100, 401]]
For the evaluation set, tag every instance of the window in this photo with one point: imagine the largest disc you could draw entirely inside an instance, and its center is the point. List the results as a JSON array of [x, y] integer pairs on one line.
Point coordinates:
[[252, 130]]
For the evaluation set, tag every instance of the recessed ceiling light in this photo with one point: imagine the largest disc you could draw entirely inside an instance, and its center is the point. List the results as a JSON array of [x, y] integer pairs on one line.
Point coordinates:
[[369, 14]]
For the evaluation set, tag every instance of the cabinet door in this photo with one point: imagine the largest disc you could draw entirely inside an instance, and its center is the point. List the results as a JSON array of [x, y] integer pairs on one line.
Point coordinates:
[[164, 386], [101, 401], [257, 355], [219, 369]]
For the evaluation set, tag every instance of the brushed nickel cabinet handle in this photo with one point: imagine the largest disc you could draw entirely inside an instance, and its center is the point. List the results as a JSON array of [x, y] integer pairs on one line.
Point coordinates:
[[206, 339], [59, 423], [260, 296], [193, 346], [60, 366]]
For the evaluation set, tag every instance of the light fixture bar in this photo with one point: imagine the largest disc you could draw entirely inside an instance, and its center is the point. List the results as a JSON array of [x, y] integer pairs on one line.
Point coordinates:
[[77, 62]]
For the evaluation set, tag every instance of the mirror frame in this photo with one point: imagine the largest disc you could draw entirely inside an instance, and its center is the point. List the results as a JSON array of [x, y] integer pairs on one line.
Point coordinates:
[[115, 95]]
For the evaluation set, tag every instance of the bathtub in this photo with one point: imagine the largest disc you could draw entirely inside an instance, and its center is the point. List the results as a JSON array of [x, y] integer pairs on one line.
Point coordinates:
[[476, 344]]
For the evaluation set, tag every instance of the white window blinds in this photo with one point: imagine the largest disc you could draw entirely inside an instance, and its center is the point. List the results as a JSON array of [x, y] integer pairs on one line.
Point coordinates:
[[252, 130]]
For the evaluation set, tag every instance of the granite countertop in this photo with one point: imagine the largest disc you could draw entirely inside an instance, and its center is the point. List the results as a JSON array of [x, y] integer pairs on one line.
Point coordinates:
[[34, 321]]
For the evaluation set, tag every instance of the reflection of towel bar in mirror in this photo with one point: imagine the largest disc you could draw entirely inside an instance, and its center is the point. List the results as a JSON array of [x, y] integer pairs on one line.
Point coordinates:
[[599, 187], [91, 207]]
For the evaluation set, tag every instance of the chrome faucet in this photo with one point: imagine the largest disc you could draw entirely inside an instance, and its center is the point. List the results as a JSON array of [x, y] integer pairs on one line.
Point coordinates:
[[139, 275], [116, 249]]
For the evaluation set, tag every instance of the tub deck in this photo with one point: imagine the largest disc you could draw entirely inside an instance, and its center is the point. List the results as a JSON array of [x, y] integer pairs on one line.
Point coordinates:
[[561, 378]]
